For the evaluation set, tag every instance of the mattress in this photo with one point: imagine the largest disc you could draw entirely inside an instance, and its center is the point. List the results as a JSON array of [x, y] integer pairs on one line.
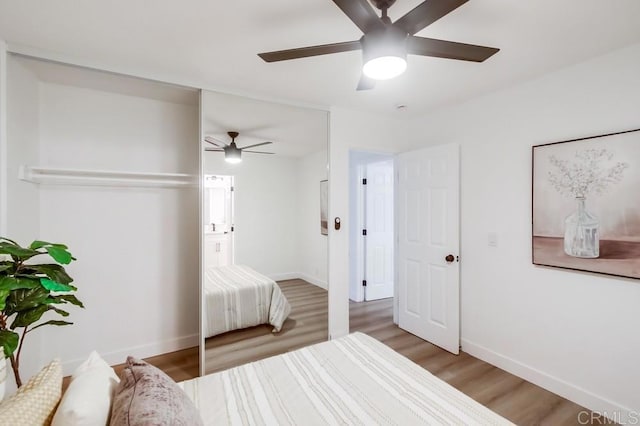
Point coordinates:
[[353, 380], [237, 297]]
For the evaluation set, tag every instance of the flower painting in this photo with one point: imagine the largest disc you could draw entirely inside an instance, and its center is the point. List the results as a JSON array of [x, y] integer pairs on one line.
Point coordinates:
[[586, 204]]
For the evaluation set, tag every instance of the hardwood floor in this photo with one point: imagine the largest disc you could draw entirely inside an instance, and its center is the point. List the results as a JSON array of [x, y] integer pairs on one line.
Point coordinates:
[[516, 399], [307, 324], [512, 397]]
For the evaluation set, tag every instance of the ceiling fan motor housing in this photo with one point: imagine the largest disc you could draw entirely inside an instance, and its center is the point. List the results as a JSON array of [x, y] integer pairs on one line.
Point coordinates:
[[389, 41]]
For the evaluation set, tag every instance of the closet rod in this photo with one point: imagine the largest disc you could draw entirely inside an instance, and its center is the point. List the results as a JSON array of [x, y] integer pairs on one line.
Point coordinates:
[[60, 176]]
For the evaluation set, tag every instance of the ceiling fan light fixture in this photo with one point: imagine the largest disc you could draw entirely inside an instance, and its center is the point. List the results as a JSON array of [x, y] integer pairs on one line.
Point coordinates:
[[232, 155], [384, 53], [384, 67]]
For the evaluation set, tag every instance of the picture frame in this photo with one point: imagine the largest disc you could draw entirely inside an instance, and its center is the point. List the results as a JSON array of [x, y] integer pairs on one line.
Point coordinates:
[[324, 207], [585, 204]]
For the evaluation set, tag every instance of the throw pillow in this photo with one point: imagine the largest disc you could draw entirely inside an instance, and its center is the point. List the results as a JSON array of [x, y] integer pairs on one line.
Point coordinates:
[[88, 398], [34, 403], [147, 396]]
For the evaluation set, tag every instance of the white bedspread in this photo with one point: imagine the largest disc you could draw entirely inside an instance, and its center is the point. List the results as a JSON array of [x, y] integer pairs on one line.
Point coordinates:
[[237, 297], [354, 380]]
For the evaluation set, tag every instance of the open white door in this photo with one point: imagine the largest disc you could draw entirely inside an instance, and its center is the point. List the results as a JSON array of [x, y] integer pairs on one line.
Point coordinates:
[[379, 223], [428, 218]]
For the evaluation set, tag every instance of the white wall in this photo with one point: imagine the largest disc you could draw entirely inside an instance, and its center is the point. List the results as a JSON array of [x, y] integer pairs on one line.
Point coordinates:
[[350, 130], [265, 204], [573, 333], [137, 248], [3, 137], [312, 245]]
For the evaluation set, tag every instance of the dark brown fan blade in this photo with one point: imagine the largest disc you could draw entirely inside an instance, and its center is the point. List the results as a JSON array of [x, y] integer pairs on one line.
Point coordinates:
[[258, 152], [361, 13], [257, 144], [426, 13], [449, 49], [215, 142], [366, 83], [214, 149], [305, 52]]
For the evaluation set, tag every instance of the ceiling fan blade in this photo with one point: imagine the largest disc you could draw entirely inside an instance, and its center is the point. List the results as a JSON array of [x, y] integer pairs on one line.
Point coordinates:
[[449, 49], [215, 142], [258, 152], [305, 52], [366, 83], [361, 13], [426, 13], [214, 149], [254, 145]]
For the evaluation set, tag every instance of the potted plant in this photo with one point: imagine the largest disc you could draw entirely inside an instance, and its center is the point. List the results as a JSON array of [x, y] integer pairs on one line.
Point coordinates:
[[28, 290]]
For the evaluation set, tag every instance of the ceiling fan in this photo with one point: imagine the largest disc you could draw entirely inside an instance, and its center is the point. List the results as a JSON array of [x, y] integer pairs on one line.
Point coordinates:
[[385, 44], [233, 153]]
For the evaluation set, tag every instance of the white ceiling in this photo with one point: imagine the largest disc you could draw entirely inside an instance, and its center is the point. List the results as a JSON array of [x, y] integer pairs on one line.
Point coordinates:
[[215, 43]]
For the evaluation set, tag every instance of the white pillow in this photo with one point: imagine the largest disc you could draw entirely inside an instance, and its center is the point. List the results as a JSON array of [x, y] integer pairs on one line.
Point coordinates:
[[88, 398]]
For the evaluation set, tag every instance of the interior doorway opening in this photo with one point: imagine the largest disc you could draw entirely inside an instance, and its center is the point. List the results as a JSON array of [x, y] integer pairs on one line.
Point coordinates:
[[218, 220], [371, 239]]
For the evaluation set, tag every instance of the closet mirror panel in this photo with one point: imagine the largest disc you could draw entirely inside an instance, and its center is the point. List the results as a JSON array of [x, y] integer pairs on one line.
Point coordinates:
[[264, 252]]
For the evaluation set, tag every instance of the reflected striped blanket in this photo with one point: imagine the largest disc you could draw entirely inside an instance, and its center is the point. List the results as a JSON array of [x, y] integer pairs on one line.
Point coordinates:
[[354, 380], [237, 297]]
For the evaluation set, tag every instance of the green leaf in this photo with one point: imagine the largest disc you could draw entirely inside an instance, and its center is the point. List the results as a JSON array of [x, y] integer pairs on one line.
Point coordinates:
[[3, 298], [39, 244], [8, 240], [60, 255], [51, 270], [9, 342], [65, 298], [18, 252], [28, 317], [60, 311], [5, 266], [52, 322], [24, 299], [16, 283], [55, 286]]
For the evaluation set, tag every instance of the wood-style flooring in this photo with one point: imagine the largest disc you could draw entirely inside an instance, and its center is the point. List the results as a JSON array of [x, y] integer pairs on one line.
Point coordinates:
[[307, 324], [512, 397]]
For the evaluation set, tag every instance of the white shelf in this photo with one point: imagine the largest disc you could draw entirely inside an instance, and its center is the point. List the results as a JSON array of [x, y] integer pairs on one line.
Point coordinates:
[[59, 176]]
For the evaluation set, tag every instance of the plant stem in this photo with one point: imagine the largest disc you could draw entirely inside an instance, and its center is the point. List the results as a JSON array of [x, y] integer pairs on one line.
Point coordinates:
[[16, 372]]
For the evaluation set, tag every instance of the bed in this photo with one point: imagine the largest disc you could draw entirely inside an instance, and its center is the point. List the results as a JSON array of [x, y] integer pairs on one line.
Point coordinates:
[[352, 380], [237, 297]]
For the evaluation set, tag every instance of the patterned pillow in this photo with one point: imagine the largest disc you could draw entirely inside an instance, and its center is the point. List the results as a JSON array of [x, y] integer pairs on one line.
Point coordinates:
[[147, 396], [35, 402]]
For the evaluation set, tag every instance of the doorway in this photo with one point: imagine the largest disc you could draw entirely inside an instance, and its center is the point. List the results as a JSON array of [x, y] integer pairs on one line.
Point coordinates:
[[371, 240], [218, 220]]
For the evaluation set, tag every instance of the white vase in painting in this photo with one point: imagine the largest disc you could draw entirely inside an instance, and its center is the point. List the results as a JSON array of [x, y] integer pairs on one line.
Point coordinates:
[[581, 232]]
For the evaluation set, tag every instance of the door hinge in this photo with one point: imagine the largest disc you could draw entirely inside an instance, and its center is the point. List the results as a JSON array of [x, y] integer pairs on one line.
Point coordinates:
[[233, 188], [364, 181], [364, 232], [232, 228], [364, 283]]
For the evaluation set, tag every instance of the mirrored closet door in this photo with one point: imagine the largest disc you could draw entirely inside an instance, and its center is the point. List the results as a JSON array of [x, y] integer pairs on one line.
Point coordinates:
[[264, 250]]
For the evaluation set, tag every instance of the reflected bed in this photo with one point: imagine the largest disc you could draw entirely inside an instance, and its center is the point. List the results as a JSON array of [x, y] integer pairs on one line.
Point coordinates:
[[238, 297], [351, 380]]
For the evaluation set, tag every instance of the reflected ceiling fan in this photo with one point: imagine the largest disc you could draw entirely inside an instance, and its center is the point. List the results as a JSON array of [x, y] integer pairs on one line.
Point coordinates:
[[385, 44], [232, 153]]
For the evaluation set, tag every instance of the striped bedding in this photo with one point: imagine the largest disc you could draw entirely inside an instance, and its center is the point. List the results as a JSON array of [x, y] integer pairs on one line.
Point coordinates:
[[354, 380], [237, 297]]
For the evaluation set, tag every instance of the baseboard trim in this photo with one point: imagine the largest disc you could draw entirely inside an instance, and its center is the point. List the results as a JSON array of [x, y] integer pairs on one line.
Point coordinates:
[[314, 280], [567, 390], [299, 276], [141, 351]]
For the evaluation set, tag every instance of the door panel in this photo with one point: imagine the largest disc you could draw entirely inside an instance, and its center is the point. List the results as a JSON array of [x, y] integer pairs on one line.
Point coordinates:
[[379, 223], [428, 217]]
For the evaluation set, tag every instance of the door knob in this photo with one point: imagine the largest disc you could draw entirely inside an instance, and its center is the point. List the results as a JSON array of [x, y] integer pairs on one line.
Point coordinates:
[[449, 258]]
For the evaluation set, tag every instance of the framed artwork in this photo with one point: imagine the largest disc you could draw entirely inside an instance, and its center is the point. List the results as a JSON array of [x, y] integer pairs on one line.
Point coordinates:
[[586, 204], [324, 207]]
